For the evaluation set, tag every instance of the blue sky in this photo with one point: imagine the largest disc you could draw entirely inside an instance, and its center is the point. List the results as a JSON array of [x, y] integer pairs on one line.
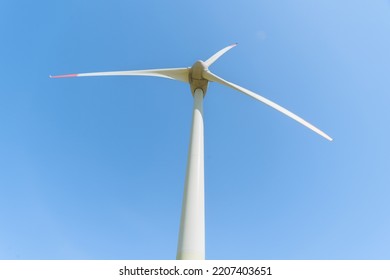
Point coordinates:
[[93, 168]]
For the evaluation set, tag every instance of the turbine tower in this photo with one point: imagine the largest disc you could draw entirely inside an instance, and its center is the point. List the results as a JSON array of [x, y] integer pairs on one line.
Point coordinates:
[[191, 244]]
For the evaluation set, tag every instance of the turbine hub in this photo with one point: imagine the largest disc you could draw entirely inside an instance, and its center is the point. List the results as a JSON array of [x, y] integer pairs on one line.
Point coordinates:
[[196, 78]]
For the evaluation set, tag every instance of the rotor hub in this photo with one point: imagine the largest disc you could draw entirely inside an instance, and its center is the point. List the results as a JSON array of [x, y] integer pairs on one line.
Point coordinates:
[[196, 78]]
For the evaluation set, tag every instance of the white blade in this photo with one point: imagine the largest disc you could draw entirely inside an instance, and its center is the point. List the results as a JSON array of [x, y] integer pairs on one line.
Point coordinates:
[[180, 74], [212, 59], [214, 78]]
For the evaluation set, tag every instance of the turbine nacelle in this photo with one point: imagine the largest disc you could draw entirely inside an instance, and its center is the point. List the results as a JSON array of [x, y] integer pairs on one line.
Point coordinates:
[[196, 77]]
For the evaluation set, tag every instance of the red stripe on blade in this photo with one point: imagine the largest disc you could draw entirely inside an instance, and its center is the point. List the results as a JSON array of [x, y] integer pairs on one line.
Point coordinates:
[[64, 76]]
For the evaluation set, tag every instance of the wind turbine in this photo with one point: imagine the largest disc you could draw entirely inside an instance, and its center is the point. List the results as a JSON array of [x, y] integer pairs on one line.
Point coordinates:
[[191, 244]]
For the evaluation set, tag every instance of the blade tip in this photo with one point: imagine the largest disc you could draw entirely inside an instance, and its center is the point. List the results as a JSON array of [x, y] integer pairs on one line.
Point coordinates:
[[327, 137], [63, 76]]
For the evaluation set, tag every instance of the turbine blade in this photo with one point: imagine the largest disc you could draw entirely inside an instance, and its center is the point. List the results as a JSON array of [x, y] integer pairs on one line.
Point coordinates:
[[180, 74], [214, 78], [212, 59]]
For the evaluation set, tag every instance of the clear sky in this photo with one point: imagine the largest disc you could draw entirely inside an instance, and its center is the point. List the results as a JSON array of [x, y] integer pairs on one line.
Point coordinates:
[[93, 168]]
